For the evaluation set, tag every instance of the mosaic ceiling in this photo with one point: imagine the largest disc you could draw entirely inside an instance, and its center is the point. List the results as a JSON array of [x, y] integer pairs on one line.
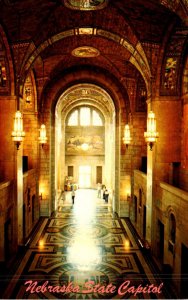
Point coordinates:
[[85, 4]]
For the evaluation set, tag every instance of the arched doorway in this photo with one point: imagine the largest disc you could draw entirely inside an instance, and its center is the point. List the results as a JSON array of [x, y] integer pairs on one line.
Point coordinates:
[[82, 150]]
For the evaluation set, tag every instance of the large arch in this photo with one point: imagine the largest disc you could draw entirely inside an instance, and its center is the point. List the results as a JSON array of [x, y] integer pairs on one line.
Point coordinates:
[[52, 94], [97, 97]]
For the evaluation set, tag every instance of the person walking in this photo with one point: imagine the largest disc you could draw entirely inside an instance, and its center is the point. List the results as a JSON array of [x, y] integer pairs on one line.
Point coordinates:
[[73, 196], [106, 195]]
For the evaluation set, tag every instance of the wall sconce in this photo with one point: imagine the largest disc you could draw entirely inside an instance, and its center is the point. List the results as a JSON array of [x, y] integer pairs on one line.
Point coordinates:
[[127, 135], [151, 134], [18, 133], [42, 138]]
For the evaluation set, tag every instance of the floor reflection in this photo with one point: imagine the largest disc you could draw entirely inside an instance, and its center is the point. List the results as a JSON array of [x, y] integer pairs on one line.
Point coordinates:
[[82, 243], [83, 251]]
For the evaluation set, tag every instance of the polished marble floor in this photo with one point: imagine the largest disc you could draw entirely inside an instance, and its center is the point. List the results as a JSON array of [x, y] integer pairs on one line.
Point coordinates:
[[83, 251]]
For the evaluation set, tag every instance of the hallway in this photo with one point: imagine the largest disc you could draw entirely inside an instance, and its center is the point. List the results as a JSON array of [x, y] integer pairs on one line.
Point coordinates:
[[83, 243]]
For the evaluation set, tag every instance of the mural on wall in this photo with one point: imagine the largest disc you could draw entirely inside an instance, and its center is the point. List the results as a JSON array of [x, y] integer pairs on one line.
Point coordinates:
[[87, 144], [4, 86], [171, 4], [170, 73], [3, 76], [185, 79], [28, 95], [141, 96], [85, 4]]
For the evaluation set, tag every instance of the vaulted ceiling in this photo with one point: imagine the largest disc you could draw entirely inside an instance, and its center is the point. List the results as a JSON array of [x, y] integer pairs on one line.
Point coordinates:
[[37, 24]]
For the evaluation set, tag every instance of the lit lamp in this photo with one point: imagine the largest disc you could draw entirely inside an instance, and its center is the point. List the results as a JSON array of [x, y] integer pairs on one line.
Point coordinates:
[[18, 133], [127, 135], [151, 134], [42, 137]]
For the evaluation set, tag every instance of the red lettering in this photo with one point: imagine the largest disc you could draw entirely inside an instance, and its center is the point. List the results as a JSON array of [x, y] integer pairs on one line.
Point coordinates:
[[159, 288], [56, 289], [89, 287], [50, 288], [38, 289], [150, 288], [76, 289], [31, 286], [110, 288], [131, 289], [123, 287], [101, 289], [95, 288], [69, 288], [63, 289], [43, 288], [138, 290], [145, 289]]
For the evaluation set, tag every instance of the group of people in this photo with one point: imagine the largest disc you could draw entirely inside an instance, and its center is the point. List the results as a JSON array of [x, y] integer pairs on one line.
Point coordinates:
[[102, 192]]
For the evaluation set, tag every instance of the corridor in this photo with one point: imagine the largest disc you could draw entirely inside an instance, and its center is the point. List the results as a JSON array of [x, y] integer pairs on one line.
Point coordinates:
[[83, 251]]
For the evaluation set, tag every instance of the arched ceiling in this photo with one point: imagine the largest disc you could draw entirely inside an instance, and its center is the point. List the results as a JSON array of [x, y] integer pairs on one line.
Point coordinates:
[[120, 32], [40, 19]]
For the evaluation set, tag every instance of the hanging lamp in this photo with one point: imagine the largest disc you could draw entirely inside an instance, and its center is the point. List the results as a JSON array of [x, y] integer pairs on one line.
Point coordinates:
[[151, 134], [42, 137], [127, 135], [18, 133]]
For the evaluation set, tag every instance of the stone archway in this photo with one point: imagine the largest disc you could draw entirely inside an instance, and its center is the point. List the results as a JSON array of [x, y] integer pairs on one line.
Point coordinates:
[[94, 96]]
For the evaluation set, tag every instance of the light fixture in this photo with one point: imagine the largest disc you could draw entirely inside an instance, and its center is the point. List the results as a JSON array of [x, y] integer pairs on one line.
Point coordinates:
[[42, 138], [85, 146], [127, 135], [18, 133], [151, 134]]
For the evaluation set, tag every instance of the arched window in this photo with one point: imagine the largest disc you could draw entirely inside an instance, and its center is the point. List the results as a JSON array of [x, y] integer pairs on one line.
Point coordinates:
[[85, 116], [73, 119]]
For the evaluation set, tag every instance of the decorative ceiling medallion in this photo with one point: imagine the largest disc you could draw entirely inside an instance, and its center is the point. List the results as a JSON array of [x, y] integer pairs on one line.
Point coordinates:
[[85, 51], [85, 4]]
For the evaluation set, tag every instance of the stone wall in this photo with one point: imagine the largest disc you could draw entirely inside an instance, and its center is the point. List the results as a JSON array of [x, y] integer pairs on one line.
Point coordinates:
[[138, 201], [31, 202], [183, 180], [92, 161], [169, 201], [7, 221], [173, 201], [131, 158], [8, 151]]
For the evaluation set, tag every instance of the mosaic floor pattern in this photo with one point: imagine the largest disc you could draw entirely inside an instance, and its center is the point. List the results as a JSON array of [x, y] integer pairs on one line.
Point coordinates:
[[83, 251]]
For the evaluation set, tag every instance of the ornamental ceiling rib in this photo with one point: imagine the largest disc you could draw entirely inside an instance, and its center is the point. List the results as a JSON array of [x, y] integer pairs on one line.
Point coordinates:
[[137, 58]]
